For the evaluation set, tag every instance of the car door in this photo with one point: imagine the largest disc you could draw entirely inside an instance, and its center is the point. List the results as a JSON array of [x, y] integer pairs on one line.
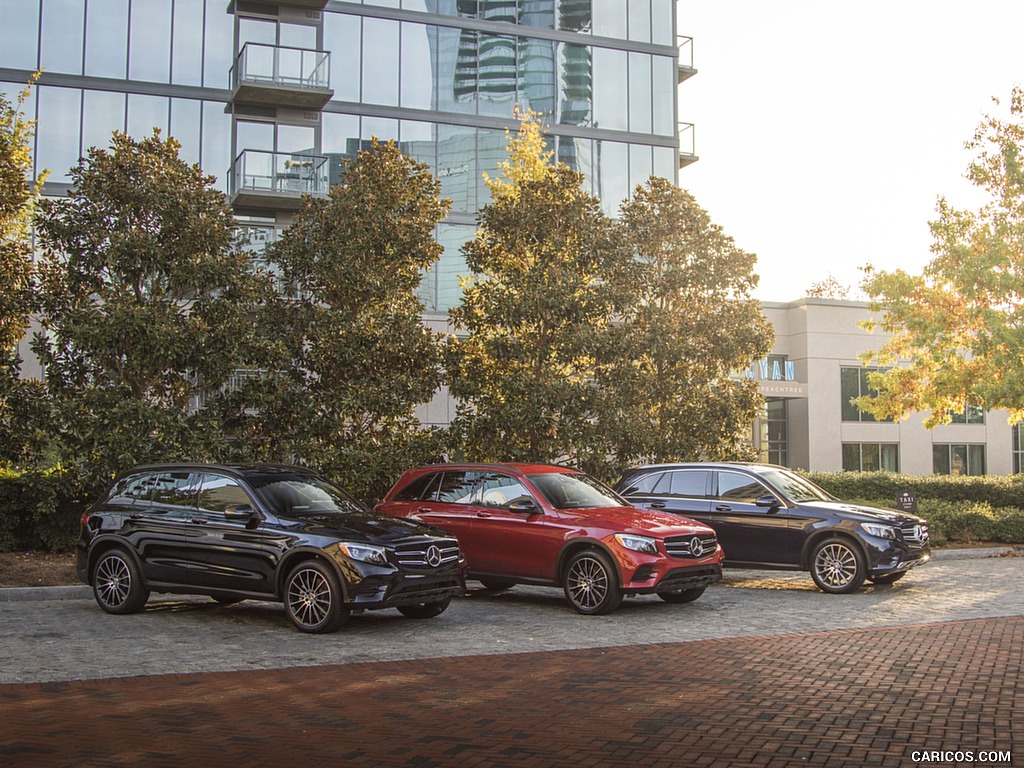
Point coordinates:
[[232, 552], [512, 542], [162, 529], [748, 532], [682, 492], [442, 499]]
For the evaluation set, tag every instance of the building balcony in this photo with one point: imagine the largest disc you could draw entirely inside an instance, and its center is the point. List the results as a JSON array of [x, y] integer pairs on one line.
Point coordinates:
[[687, 145], [276, 180], [283, 77], [313, 5], [685, 69]]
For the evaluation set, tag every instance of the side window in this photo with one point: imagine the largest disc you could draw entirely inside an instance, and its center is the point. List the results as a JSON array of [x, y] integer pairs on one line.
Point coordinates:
[[499, 490], [645, 484], [690, 484], [135, 489], [220, 492], [740, 488], [458, 487], [423, 488], [176, 489]]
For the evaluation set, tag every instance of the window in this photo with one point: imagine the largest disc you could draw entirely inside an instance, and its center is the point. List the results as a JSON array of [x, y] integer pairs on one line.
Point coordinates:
[[958, 459], [458, 487], [420, 489], [219, 492], [739, 488], [871, 457], [176, 489], [775, 438], [1018, 448], [501, 490], [971, 414], [688, 484], [854, 384]]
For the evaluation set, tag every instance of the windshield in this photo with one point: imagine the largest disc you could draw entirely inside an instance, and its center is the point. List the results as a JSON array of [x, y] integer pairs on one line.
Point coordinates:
[[294, 495], [569, 491], [794, 487]]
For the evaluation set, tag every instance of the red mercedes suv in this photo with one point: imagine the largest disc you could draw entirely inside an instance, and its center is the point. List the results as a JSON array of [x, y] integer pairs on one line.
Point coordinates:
[[555, 526]]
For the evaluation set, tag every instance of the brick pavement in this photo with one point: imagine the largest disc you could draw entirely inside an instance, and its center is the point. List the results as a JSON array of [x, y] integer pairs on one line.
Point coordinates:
[[855, 697]]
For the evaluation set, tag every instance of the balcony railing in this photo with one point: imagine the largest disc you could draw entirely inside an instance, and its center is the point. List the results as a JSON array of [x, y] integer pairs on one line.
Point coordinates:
[[277, 180], [274, 74], [686, 69], [687, 145]]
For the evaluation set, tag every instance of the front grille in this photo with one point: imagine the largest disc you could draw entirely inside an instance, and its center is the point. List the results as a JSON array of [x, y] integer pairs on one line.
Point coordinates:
[[915, 534], [698, 545], [432, 553]]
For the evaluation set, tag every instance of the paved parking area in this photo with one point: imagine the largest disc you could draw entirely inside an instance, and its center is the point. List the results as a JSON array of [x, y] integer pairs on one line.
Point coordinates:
[[929, 665]]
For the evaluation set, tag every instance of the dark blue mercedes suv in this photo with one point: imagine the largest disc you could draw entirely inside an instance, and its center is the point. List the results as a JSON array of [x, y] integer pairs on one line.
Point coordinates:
[[769, 517]]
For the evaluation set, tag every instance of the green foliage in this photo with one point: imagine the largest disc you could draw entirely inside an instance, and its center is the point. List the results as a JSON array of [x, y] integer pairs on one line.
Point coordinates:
[[548, 270], [40, 509], [345, 358], [17, 201], [959, 322], [690, 326], [959, 510], [146, 306]]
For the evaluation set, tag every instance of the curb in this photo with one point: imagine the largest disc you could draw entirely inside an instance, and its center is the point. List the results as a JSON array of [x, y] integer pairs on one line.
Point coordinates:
[[84, 592]]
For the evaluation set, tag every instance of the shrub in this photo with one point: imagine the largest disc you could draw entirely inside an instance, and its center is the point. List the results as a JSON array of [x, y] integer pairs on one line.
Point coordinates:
[[40, 509]]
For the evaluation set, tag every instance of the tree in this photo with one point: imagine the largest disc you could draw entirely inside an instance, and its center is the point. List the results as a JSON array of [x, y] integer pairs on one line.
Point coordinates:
[[959, 323], [691, 327], [829, 288], [23, 408], [548, 279], [353, 359], [145, 306]]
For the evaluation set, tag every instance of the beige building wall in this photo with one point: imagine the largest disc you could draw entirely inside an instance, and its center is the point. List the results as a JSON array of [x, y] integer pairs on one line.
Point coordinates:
[[822, 336]]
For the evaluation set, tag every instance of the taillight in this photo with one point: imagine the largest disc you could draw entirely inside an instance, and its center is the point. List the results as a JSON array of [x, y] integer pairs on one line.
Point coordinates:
[[85, 519]]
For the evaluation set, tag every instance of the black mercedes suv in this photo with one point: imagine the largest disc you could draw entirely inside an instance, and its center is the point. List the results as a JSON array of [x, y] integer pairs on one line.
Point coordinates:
[[269, 532], [769, 517]]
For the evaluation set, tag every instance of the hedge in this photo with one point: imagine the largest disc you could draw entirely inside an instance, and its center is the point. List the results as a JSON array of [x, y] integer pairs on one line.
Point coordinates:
[[40, 509], [997, 490]]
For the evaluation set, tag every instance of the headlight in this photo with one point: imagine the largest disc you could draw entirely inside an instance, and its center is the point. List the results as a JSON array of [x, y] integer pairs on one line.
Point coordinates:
[[881, 531], [643, 544], [364, 552]]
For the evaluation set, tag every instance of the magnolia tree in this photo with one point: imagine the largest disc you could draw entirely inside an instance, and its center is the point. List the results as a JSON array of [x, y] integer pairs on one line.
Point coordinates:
[[145, 306], [957, 335], [548, 276], [345, 356]]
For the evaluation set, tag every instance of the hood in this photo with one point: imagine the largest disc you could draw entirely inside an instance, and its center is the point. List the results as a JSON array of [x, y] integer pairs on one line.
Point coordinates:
[[864, 512], [364, 527], [646, 522]]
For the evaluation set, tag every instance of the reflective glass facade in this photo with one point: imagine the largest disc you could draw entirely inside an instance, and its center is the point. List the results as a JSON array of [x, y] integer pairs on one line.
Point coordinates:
[[270, 98]]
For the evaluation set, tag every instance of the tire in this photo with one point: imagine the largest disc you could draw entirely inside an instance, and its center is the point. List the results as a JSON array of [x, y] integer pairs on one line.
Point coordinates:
[[425, 610], [591, 583], [838, 566], [117, 583], [497, 585], [888, 578], [313, 598], [679, 596]]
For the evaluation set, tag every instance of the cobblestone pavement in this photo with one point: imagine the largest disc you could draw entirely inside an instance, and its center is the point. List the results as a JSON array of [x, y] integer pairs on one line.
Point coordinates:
[[761, 671]]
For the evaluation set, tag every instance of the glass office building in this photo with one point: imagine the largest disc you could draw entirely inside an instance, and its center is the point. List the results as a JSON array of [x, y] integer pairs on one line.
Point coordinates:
[[270, 97]]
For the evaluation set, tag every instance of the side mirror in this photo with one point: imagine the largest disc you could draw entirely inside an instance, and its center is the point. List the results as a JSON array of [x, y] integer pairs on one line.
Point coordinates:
[[527, 506], [242, 512], [768, 500]]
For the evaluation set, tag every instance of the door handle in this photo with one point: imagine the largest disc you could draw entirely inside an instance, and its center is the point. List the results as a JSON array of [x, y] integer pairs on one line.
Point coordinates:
[[424, 510], [482, 513], [198, 521], [657, 505], [723, 508]]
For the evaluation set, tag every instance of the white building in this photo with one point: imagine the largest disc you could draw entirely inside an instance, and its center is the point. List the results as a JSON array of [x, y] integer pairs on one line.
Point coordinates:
[[809, 379]]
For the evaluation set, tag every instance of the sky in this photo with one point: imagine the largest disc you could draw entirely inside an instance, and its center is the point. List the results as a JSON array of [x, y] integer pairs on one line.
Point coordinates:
[[827, 130]]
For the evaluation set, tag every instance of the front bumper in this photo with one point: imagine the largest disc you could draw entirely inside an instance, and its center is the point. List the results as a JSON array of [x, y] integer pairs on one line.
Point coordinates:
[[895, 556]]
